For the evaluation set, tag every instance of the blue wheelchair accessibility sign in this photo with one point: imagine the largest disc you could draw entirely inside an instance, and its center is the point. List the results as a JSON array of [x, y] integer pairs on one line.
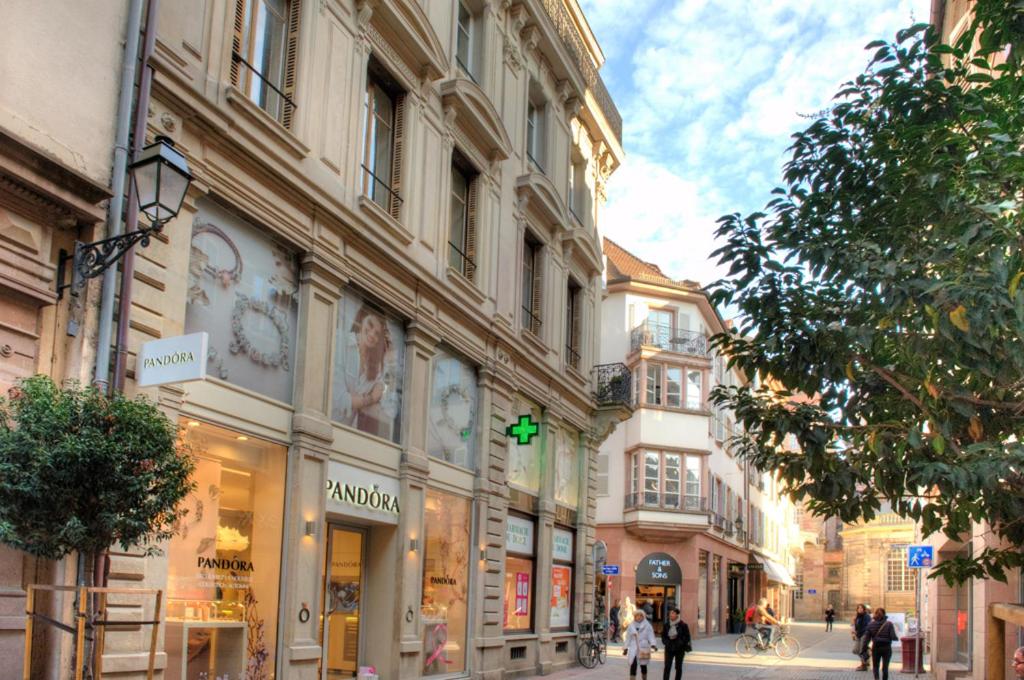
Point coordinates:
[[920, 556]]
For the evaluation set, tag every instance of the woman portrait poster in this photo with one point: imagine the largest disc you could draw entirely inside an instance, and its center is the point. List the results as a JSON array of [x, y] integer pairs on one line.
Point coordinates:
[[369, 366]]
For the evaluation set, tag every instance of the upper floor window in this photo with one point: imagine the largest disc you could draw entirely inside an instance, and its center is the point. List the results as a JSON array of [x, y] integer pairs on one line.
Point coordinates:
[[578, 197], [463, 227], [466, 39], [665, 386], [383, 126], [532, 280], [665, 479], [573, 323], [263, 53], [535, 130]]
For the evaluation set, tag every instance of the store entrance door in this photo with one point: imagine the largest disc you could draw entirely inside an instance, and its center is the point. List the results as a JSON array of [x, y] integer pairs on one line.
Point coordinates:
[[737, 598], [662, 598], [343, 597]]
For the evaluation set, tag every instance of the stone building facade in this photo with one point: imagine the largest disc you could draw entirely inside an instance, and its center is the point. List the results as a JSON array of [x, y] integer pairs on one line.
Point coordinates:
[[54, 184], [850, 564], [391, 241]]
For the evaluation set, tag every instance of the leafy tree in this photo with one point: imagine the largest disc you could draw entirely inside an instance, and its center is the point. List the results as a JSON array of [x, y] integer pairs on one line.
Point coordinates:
[[81, 472], [886, 279]]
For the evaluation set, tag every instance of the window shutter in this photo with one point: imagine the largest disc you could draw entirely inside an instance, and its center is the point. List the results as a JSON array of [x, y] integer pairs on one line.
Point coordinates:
[[471, 221], [602, 475], [538, 279], [574, 338], [236, 42], [291, 54], [396, 158]]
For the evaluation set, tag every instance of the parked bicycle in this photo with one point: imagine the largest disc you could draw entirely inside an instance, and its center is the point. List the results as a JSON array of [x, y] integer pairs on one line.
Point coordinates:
[[782, 643], [592, 648]]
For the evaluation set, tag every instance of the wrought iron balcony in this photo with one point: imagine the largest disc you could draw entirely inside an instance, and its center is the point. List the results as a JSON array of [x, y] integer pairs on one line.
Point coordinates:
[[570, 37], [718, 521], [670, 502], [665, 337], [613, 384]]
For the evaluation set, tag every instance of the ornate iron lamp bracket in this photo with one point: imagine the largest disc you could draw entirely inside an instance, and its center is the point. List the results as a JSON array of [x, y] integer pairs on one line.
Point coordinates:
[[91, 259]]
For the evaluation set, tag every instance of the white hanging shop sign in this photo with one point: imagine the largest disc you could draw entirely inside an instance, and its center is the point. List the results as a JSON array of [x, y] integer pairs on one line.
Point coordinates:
[[172, 360], [358, 493]]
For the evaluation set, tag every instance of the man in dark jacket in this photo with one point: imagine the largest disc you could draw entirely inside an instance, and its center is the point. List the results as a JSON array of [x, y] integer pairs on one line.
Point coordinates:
[[648, 610], [675, 635]]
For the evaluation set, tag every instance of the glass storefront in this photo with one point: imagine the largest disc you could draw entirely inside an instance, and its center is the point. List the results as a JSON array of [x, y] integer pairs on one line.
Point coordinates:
[[243, 291], [224, 562], [519, 548], [369, 368], [563, 543], [702, 592], [445, 606], [716, 593], [453, 411], [343, 599]]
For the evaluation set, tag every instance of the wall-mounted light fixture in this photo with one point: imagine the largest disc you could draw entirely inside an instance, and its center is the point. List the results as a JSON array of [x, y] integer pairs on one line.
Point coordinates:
[[414, 545], [311, 528], [483, 554]]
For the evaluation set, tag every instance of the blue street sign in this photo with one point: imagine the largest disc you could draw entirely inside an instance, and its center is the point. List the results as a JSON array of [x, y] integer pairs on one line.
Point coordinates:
[[812, 591], [920, 556], [610, 570]]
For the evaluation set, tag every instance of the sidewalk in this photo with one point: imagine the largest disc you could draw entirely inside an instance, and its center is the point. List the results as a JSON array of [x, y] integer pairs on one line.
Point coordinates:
[[825, 656]]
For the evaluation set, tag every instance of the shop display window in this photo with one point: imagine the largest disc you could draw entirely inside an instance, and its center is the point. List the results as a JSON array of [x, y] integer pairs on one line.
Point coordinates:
[[524, 459], [369, 368], [563, 546], [445, 606], [224, 562], [453, 411], [243, 290], [702, 592], [567, 469], [519, 568]]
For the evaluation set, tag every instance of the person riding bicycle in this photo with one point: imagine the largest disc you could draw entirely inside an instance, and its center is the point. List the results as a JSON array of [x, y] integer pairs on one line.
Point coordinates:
[[764, 622]]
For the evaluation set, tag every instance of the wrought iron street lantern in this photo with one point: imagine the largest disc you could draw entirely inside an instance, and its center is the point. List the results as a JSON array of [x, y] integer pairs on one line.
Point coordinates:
[[161, 178]]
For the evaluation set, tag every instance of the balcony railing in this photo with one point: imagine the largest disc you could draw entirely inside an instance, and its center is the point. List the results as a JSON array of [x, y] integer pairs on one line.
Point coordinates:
[[570, 36], [718, 521], [741, 536], [671, 502], [613, 384], [667, 338]]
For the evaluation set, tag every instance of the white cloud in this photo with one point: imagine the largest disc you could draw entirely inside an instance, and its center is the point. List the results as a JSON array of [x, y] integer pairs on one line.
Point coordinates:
[[710, 92]]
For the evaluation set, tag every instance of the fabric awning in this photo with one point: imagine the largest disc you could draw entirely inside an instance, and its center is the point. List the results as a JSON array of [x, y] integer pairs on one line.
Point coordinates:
[[775, 571]]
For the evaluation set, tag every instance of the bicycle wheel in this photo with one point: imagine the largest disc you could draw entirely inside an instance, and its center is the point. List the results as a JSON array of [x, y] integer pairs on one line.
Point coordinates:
[[586, 654], [788, 647], [746, 646], [602, 652]]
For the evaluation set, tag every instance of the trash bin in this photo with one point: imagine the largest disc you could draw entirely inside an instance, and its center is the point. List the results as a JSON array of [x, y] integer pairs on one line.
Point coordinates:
[[911, 658]]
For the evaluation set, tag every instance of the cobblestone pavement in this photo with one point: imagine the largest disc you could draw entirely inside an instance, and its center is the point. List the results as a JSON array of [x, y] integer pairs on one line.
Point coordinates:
[[825, 656]]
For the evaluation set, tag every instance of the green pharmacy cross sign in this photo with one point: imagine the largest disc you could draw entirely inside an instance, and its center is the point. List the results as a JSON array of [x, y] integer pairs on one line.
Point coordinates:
[[524, 430]]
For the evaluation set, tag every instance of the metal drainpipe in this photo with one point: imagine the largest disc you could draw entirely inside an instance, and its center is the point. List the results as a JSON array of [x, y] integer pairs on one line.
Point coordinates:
[[132, 209], [117, 180]]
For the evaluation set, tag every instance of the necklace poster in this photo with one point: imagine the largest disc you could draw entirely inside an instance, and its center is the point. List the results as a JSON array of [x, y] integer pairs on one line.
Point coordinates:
[[453, 411], [243, 291]]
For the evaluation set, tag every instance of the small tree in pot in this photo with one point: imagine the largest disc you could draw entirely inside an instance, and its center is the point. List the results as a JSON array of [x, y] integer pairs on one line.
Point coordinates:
[[80, 472]]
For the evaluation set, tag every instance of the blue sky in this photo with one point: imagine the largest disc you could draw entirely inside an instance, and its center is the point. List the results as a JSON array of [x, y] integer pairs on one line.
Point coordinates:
[[709, 92]]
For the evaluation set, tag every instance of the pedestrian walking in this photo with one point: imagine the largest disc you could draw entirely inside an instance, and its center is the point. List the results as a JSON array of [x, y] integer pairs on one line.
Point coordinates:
[[1017, 664], [648, 611], [830, 616], [881, 633], [858, 630], [613, 622], [639, 643], [675, 637]]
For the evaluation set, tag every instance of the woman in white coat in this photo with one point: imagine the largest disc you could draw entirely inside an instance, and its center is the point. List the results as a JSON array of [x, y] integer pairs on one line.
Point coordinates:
[[639, 642]]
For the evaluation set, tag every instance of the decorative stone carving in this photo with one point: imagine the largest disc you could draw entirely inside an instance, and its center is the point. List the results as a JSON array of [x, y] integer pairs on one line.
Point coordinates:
[[513, 57]]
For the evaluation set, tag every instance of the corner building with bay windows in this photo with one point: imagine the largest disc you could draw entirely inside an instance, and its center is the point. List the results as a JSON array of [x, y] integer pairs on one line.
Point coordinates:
[[391, 242], [688, 523]]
